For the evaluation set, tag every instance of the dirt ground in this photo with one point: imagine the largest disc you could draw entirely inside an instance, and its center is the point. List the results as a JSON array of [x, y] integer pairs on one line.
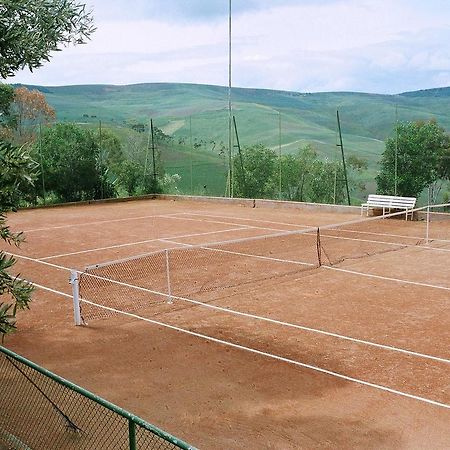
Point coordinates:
[[338, 345]]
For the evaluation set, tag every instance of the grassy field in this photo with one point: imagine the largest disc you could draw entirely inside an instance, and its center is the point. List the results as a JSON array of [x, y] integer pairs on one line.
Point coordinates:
[[278, 119]]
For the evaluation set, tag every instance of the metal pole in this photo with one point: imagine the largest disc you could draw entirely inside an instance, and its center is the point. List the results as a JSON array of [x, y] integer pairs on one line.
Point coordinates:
[[230, 145], [76, 297], [101, 158], [190, 144], [153, 154], [343, 157], [169, 288], [146, 152], [279, 153], [396, 152], [240, 156], [132, 435], [42, 162]]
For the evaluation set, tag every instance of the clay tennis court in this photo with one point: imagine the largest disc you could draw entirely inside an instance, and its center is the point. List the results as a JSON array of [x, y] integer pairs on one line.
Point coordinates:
[[266, 352]]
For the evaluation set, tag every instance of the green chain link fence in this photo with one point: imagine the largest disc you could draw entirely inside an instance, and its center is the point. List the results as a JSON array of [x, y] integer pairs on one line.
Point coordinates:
[[40, 410]]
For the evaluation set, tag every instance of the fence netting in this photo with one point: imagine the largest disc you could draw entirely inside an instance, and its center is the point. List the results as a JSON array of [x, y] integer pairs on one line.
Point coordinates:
[[39, 410]]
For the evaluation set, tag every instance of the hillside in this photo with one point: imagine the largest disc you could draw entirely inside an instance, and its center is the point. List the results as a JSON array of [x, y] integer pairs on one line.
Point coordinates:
[[199, 112]]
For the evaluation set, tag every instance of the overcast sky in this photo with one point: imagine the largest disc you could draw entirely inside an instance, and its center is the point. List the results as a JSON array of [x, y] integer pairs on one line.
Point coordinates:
[[380, 46]]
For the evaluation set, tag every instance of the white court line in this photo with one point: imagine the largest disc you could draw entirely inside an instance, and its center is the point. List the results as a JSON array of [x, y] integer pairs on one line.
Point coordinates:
[[266, 319], [129, 244], [247, 219], [320, 226], [418, 246], [397, 280], [220, 250], [97, 222], [268, 355], [387, 347], [231, 223]]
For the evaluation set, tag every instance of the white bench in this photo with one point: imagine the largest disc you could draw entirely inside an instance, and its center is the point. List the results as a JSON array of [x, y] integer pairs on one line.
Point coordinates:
[[389, 202]]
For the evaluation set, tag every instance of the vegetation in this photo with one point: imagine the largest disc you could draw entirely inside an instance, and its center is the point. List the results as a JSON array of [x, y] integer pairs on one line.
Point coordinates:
[[31, 29], [414, 159], [302, 176], [16, 170]]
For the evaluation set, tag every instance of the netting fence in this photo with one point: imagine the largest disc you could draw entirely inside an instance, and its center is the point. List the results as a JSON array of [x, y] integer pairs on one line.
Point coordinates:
[[202, 273], [39, 410]]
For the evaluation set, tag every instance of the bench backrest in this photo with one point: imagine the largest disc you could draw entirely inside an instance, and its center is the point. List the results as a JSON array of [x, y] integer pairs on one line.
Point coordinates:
[[391, 201]]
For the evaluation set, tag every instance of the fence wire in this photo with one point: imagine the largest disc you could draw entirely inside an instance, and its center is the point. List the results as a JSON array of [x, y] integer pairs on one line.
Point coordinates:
[[39, 410]]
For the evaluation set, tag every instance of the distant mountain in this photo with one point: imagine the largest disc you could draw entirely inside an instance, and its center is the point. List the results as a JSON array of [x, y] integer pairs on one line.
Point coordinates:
[[200, 112]]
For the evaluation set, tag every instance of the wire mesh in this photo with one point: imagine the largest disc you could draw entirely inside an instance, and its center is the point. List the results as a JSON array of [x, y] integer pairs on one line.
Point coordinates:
[[152, 280], [201, 272], [42, 411]]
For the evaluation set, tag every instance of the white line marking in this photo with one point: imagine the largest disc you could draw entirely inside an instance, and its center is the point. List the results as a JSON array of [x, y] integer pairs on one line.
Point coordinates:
[[96, 222], [130, 244], [247, 219], [269, 320], [397, 280], [250, 255], [269, 355]]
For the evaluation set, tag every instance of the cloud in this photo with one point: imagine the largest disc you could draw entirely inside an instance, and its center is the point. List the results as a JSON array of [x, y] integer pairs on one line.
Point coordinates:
[[359, 45]]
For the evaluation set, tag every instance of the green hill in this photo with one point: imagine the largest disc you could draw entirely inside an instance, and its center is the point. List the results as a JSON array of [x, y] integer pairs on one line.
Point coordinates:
[[200, 113]]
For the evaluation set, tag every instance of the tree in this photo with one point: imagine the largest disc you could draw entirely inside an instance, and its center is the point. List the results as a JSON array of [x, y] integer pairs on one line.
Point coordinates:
[[418, 151], [257, 179], [29, 108], [16, 169], [7, 122], [31, 29], [71, 153]]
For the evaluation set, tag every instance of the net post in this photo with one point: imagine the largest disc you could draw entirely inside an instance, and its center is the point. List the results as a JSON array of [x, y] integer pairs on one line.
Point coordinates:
[[427, 238], [319, 247], [76, 297], [169, 289]]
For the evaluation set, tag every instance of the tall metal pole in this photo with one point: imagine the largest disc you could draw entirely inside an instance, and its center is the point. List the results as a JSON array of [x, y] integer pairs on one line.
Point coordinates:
[[190, 145], [240, 156], [153, 154], [101, 157], [42, 162], [396, 152], [279, 153], [343, 157], [230, 144]]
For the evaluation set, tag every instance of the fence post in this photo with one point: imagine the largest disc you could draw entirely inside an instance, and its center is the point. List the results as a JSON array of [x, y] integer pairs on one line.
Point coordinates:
[[169, 289], [76, 297], [132, 434]]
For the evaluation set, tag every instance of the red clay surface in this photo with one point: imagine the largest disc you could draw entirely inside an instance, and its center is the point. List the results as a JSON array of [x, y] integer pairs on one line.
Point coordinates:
[[216, 396]]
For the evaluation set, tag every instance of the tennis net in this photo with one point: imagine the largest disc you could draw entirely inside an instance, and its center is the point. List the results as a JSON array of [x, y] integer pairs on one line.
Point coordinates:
[[201, 272]]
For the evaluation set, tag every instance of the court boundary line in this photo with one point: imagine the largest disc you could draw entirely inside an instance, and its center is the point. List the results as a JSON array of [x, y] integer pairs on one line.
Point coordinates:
[[268, 355], [130, 244], [381, 277], [253, 316]]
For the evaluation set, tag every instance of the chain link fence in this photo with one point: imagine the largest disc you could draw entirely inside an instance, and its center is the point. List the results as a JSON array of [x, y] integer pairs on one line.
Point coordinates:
[[39, 410]]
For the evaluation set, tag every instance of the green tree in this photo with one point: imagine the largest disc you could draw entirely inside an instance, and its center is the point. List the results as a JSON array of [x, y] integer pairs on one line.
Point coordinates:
[[31, 29], [16, 169], [71, 166], [420, 149], [7, 120], [257, 179]]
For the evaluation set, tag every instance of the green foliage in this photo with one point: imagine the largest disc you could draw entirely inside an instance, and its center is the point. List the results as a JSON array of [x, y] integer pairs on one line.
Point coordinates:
[[422, 150], [16, 170], [254, 178], [31, 29], [70, 156]]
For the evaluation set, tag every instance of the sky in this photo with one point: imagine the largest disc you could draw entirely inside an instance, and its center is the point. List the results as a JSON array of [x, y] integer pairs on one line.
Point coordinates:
[[377, 46]]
